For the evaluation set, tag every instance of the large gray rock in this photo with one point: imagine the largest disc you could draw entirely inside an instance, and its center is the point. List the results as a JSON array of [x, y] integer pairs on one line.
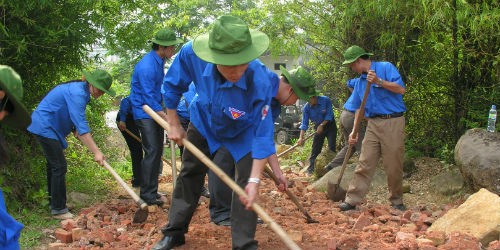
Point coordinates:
[[332, 176], [479, 215], [448, 182], [477, 154]]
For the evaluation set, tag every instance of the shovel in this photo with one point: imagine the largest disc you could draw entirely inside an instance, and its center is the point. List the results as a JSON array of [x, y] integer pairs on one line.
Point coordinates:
[[226, 179], [292, 196], [334, 191], [142, 213]]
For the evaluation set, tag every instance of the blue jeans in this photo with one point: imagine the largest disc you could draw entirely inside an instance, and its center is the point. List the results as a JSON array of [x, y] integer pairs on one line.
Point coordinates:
[[56, 174], [152, 144]]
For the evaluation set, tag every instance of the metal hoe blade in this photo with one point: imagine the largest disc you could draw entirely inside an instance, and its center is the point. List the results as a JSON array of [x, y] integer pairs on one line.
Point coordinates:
[[141, 215]]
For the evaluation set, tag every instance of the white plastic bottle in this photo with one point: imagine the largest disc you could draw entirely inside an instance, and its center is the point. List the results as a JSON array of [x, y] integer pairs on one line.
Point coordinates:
[[492, 119]]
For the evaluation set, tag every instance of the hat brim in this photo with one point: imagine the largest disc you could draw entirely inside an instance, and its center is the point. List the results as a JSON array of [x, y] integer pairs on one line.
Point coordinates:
[[356, 58], [298, 91], [168, 43], [20, 118], [96, 84], [260, 43]]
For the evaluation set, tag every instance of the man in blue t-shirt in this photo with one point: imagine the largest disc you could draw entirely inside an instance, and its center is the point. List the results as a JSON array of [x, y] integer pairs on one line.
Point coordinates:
[[288, 88], [384, 136], [319, 110], [61, 112], [184, 118], [146, 90], [231, 111]]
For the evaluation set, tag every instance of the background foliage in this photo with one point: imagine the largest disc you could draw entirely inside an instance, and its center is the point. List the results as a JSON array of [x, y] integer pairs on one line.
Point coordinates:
[[447, 51]]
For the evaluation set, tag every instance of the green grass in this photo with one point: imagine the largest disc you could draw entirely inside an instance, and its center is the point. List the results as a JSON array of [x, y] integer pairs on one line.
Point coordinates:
[[35, 222], [298, 154]]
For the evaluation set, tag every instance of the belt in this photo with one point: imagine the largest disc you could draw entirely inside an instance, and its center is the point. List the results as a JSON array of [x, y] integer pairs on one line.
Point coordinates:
[[389, 116]]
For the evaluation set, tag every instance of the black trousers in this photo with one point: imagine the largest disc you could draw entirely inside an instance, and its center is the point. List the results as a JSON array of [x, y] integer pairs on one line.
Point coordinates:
[[187, 191], [220, 193], [135, 148], [56, 173], [329, 132], [152, 143]]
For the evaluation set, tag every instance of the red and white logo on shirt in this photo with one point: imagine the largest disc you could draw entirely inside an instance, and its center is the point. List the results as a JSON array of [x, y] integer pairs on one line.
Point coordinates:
[[265, 110], [236, 113]]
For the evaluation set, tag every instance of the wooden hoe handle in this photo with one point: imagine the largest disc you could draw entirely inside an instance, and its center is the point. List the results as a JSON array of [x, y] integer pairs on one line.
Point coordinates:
[[122, 183]]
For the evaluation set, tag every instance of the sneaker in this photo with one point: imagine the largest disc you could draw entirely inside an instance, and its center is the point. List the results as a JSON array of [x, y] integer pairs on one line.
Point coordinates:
[[400, 207], [64, 216], [224, 223], [344, 206]]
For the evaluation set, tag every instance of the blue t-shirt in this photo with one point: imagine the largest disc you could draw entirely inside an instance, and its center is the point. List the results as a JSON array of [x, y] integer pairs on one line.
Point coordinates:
[[348, 105], [145, 85], [125, 109], [380, 100], [318, 113], [187, 98], [275, 104], [60, 111], [10, 229], [233, 115]]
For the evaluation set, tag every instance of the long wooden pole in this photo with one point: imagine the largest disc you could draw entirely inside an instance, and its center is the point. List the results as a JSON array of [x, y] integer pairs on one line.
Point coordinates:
[[359, 116], [173, 161], [230, 182], [294, 146], [122, 183]]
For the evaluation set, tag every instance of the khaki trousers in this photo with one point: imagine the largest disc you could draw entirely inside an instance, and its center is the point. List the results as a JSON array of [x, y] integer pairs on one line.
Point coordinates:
[[383, 137]]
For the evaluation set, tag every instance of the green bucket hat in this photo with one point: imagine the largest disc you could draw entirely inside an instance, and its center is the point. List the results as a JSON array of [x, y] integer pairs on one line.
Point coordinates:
[[301, 81], [166, 37], [353, 53], [11, 83], [230, 42], [100, 79]]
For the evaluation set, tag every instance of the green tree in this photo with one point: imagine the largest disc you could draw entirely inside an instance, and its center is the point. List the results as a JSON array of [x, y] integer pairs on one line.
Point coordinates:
[[447, 52], [47, 42]]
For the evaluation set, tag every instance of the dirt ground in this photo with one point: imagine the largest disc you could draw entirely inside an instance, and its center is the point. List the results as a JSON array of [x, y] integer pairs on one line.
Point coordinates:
[[373, 225]]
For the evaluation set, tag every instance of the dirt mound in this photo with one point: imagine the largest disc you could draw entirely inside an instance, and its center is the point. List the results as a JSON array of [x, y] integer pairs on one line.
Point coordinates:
[[371, 226]]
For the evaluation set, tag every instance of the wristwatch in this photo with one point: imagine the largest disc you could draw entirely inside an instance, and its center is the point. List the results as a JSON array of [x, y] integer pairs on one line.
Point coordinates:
[[380, 82], [253, 180]]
